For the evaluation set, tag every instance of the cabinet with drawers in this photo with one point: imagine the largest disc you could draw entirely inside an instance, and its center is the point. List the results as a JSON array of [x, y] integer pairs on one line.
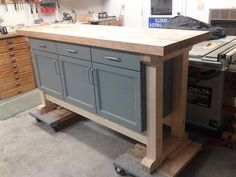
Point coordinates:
[[16, 72], [107, 82]]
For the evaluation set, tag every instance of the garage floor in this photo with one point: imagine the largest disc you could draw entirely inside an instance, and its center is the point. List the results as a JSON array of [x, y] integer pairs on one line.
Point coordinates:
[[85, 149]]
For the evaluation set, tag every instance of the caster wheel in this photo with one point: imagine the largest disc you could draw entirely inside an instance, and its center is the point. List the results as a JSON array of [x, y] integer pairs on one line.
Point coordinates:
[[56, 129], [119, 171], [38, 120]]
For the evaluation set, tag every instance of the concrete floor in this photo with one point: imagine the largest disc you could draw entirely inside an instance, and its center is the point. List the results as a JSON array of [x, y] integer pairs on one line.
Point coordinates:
[[85, 149]]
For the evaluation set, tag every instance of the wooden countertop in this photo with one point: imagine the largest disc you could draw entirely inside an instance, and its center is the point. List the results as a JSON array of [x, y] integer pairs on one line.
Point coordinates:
[[141, 40], [4, 36]]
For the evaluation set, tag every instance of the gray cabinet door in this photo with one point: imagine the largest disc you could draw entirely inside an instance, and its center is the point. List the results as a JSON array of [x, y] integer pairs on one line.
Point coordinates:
[[48, 73], [78, 82], [118, 95]]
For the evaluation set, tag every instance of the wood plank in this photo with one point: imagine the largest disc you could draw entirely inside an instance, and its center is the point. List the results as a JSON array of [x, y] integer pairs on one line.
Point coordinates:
[[141, 40], [154, 102], [100, 120], [180, 95]]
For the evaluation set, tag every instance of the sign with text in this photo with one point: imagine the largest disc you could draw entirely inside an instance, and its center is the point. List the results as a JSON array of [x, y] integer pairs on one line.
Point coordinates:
[[158, 22]]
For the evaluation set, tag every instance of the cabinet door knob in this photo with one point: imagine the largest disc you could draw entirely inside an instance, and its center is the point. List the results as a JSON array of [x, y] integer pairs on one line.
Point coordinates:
[[43, 46]]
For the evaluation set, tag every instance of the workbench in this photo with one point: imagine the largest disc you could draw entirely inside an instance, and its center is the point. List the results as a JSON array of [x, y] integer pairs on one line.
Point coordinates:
[[154, 47]]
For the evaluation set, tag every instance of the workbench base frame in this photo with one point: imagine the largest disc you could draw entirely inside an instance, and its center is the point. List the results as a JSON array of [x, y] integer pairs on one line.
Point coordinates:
[[157, 148], [130, 162]]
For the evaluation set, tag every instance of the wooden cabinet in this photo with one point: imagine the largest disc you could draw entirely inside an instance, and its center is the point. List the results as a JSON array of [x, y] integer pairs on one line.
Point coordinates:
[[47, 68], [78, 82], [16, 74]]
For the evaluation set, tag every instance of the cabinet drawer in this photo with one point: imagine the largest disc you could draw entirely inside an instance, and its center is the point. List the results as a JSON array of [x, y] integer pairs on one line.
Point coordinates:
[[17, 53], [17, 91], [43, 45], [14, 65], [16, 77], [11, 60], [16, 84], [15, 47], [116, 58], [15, 72], [12, 41], [76, 51]]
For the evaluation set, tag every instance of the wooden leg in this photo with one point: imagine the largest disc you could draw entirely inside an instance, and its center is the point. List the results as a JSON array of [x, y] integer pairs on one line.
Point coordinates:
[[46, 105], [154, 83], [180, 96]]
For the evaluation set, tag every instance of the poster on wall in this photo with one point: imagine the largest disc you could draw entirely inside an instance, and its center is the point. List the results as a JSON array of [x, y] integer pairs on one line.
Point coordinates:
[[157, 22], [161, 7]]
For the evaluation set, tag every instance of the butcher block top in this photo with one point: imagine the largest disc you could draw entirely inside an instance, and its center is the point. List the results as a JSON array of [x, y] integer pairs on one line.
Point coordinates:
[[140, 40]]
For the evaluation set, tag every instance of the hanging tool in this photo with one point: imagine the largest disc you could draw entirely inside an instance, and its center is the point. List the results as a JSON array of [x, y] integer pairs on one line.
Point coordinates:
[[4, 3]]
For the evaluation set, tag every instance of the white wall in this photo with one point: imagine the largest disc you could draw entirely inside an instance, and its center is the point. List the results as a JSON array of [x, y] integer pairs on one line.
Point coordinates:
[[132, 12], [195, 11], [24, 16]]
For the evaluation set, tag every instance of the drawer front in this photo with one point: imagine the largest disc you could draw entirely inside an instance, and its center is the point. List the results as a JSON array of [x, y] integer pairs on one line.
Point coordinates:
[[15, 47], [16, 84], [43, 45], [76, 51], [14, 65], [15, 72], [11, 60], [11, 54], [17, 91], [116, 58], [16, 77], [12, 41]]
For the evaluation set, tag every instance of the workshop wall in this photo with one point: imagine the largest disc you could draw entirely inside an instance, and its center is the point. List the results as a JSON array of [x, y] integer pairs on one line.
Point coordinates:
[[23, 16]]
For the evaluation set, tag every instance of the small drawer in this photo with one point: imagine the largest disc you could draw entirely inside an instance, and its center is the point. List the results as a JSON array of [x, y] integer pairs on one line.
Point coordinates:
[[12, 41], [17, 91], [43, 45], [12, 48], [15, 72], [16, 77], [15, 53], [76, 51], [16, 84], [116, 58]]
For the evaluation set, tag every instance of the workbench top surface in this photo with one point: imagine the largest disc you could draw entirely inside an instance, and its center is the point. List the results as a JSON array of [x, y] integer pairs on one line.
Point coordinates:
[[140, 40], [5, 36]]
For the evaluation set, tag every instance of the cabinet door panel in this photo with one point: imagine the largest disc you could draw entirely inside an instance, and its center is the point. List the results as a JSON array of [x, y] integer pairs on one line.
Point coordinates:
[[118, 95], [48, 73], [77, 82]]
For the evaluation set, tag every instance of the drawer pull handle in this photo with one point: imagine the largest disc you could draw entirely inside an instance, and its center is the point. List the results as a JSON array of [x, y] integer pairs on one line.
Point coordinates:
[[14, 66], [90, 78], [16, 77], [72, 51], [19, 91], [43, 46], [12, 60], [9, 42], [10, 48], [16, 71], [113, 59], [57, 67], [12, 54], [18, 83]]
